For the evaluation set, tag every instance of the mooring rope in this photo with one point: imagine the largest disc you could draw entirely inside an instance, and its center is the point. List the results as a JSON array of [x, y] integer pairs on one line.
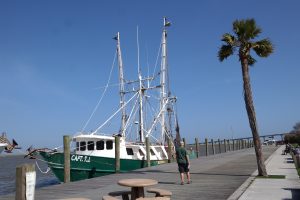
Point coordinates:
[[43, 172]]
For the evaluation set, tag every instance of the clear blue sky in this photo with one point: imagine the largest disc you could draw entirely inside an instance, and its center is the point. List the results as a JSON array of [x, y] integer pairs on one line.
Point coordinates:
[[55, 54]]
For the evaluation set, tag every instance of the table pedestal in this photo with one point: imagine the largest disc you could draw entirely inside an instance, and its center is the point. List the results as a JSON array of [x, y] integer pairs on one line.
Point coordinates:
[[137, 192]]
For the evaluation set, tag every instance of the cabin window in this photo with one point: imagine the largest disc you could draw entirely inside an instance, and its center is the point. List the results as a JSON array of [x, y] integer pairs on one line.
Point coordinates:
[[100, 145], [141, 152], [109, 144], [82, 146], [129, 151], [91, 145], [77, 146], [152, 152]]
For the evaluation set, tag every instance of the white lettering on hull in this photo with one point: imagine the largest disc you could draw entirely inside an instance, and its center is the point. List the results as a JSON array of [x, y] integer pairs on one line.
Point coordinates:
[[79, 158]]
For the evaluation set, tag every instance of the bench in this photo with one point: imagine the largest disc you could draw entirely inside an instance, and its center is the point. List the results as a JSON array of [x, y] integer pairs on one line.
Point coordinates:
[[75, 199], [124, 193], [160, 192], [153, 198], [109, 198]]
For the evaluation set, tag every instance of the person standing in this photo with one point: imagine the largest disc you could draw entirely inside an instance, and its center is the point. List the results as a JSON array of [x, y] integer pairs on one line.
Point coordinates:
[[183, 162]]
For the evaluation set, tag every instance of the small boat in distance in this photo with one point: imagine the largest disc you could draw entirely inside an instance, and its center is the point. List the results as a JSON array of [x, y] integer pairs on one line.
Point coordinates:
[[3, 142], [94, 153]]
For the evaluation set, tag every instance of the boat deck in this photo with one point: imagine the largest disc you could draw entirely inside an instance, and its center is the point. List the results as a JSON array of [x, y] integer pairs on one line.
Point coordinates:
[[213, 177]]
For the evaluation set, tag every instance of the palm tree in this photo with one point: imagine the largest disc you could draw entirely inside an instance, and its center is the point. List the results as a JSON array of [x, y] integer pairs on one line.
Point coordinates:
[[242, 40]]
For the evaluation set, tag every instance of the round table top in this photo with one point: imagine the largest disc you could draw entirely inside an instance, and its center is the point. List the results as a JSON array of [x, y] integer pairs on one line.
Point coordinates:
[[137, 182]]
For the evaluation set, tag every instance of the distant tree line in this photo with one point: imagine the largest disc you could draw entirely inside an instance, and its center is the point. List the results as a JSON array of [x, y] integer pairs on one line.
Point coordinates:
[[294, 136]]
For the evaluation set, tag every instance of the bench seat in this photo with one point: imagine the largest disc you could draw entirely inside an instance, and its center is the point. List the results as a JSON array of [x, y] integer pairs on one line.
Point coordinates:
[[153, 198], [109, 198], [160, 192], [124, 193]]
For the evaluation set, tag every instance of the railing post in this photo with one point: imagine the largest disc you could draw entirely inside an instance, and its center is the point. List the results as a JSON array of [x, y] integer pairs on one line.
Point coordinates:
[[148, 151], [197, 147], [213, 146], [233, 148], [117, 154], [206, 147], [220, 151], [225, 146], [67, 174], [25, 182]]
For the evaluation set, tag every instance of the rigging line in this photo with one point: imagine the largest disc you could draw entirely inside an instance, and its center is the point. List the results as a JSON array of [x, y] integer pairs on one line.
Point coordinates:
[[154, 138], [111, 85], [100, 100], [130, 115], [114, 114], [156, 62], [156, 120]]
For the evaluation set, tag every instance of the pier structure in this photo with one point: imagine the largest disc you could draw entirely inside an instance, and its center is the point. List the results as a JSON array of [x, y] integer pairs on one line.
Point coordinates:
[[213, 177]]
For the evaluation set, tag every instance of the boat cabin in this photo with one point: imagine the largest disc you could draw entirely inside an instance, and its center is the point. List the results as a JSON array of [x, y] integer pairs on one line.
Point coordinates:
[[104, 146]]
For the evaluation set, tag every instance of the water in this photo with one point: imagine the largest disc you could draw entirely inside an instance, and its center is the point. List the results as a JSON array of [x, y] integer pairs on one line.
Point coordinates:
[[8, 166]]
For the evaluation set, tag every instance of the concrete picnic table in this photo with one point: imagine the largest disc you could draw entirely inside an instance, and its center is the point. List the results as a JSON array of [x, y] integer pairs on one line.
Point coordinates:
[[137, 186]]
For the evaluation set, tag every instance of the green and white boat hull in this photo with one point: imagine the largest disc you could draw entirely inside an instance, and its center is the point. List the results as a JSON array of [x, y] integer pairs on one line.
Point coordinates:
[[86, 167]]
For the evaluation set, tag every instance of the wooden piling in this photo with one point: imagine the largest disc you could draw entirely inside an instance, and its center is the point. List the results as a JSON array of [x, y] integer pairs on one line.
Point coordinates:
[[233, 148], [219, 141], [25, 182], [229, 145], [67, 174], [117, 154], [225, 146], [206, 147], [169, 150], [197, 147], [213, 146], [148, 151]]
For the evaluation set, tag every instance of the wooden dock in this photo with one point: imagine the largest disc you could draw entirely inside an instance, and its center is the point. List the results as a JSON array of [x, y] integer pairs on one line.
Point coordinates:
[[213, 177]]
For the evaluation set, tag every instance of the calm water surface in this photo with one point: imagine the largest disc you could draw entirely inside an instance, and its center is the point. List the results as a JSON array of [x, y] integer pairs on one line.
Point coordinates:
[[8, 166]]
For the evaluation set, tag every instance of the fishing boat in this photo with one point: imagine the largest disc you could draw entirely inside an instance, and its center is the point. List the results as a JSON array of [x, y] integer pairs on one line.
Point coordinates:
[[94, 152]]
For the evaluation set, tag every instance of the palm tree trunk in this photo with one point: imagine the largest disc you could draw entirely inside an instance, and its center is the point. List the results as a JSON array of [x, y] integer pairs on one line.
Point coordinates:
[[252, 118]]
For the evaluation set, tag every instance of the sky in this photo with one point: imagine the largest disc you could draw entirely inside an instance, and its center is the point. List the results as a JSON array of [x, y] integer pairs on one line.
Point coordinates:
[[56, 56]]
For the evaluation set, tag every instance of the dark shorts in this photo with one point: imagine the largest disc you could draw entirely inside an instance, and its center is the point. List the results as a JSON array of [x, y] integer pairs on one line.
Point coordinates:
[[183, 167]]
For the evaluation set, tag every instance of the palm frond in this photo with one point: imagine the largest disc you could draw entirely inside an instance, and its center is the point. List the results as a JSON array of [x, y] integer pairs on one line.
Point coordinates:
[[225, 51], [238, 28], [252, 30], [263, 48], [251, 60], [229, 39], [246, 29]]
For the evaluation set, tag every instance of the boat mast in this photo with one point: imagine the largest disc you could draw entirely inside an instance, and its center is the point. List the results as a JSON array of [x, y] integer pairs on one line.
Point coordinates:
[[163, 78], [141, 94], [122, 83]]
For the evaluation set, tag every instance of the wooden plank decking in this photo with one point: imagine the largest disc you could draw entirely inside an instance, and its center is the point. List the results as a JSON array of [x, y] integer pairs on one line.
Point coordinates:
[[213, 177]]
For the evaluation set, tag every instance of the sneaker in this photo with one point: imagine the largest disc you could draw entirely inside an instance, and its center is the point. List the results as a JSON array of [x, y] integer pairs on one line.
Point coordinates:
[[189, 182]]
